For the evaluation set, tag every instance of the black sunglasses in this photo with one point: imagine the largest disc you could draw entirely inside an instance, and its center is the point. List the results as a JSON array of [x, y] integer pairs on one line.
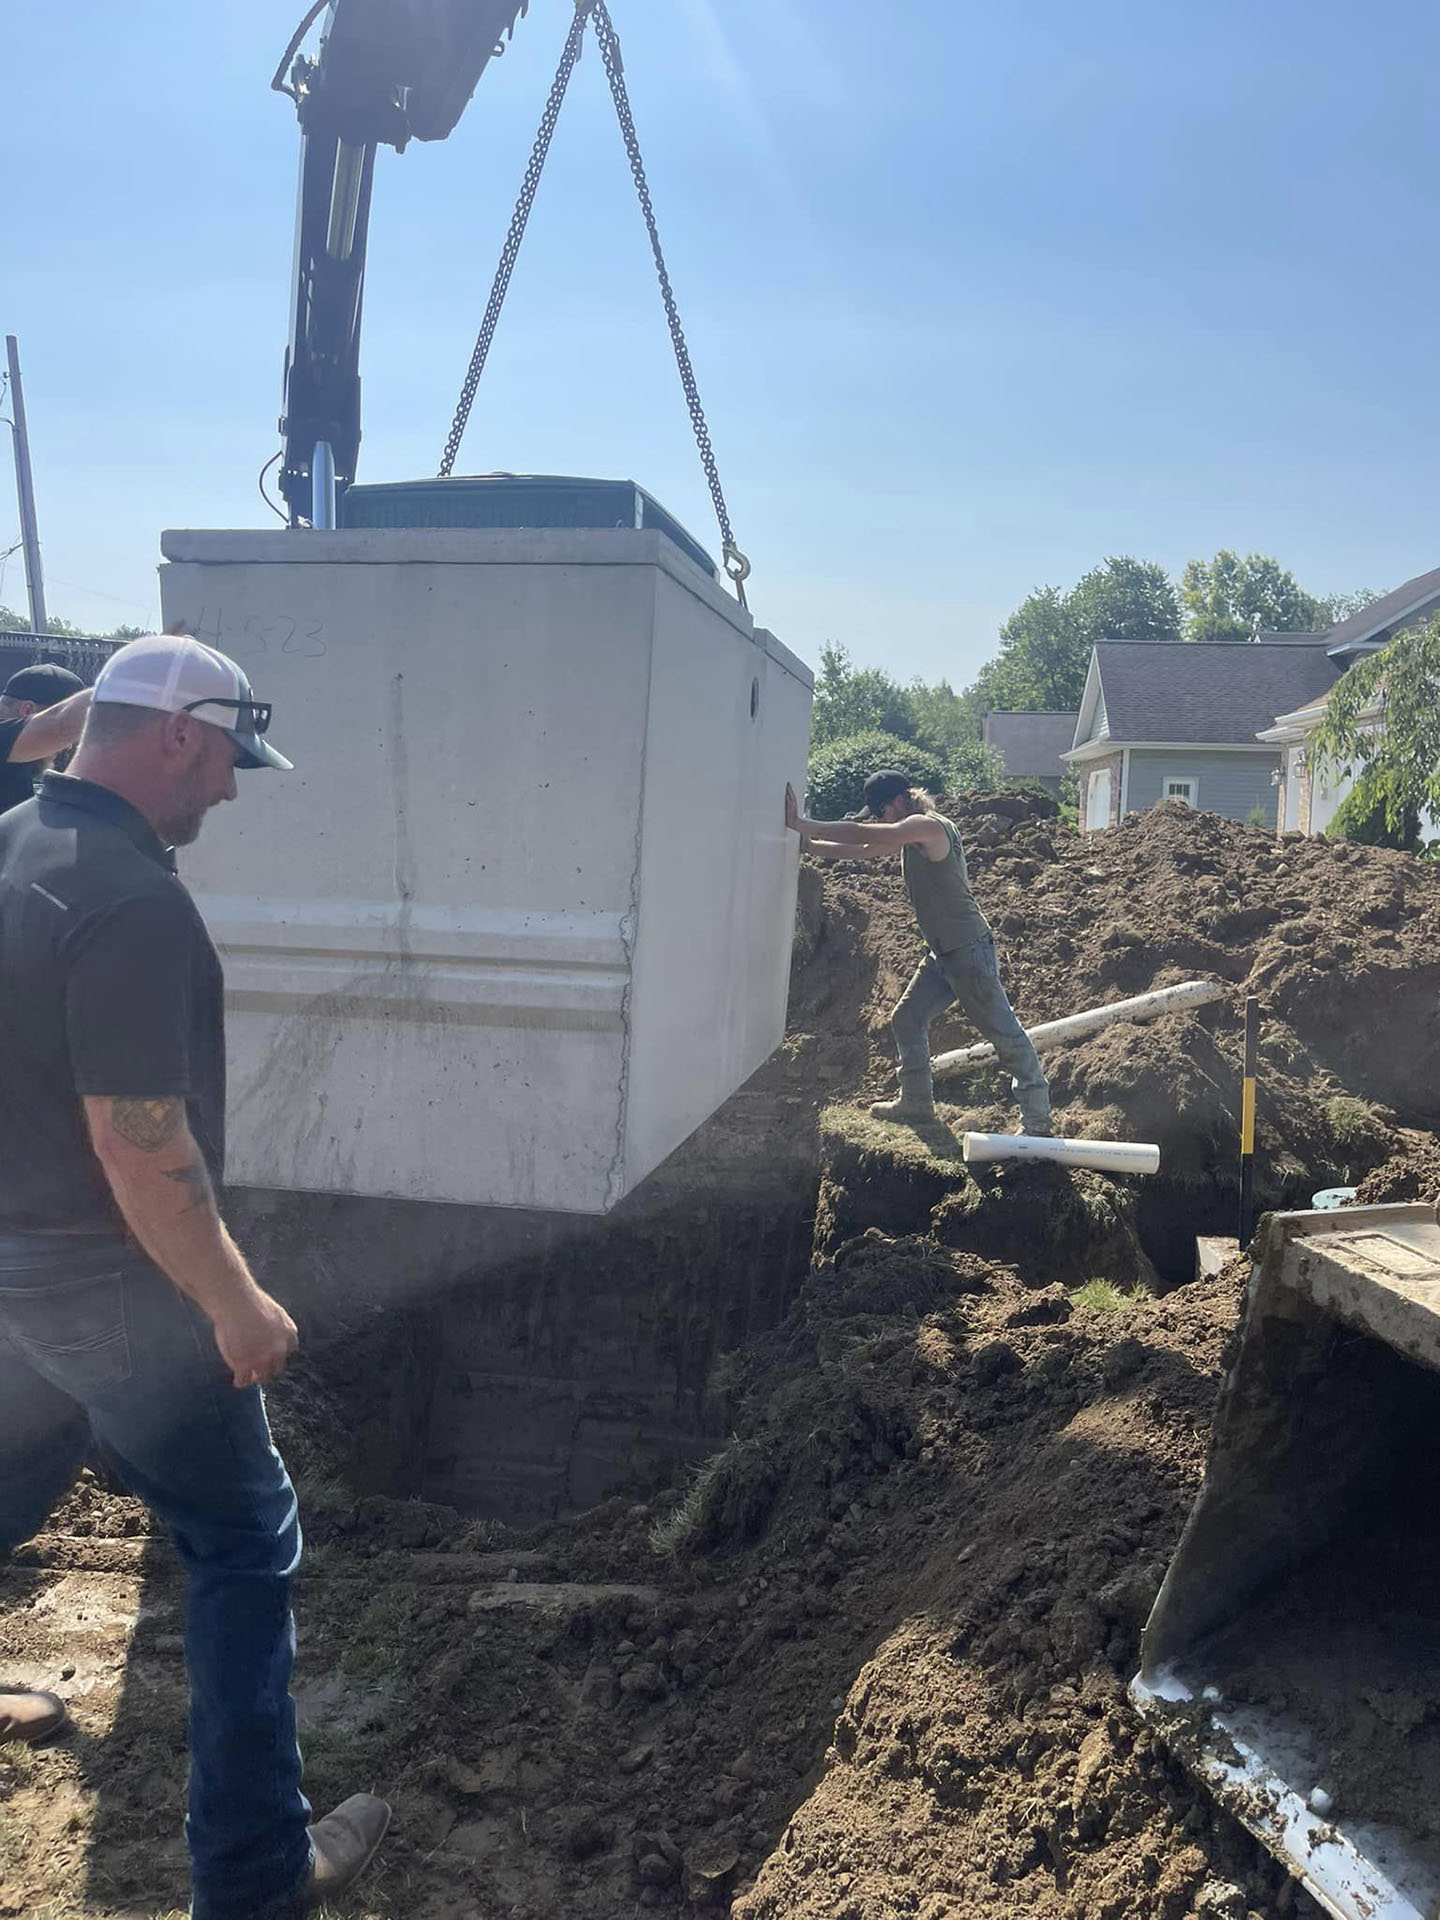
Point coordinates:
[[257, 712]]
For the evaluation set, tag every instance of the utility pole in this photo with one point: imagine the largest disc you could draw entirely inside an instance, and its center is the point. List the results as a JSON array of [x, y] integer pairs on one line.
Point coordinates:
[[25, 487]]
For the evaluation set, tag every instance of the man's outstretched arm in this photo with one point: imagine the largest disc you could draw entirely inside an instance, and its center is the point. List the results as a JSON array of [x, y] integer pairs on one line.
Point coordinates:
[[864, 839], [161, 1186], [833, 850], [54, 730]]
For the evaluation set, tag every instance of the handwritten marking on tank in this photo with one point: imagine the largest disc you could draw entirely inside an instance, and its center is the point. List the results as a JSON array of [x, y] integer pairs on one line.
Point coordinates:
[[260, 634]]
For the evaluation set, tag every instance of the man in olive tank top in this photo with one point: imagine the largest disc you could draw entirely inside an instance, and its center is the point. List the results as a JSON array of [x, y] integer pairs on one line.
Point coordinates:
[[960, 966]]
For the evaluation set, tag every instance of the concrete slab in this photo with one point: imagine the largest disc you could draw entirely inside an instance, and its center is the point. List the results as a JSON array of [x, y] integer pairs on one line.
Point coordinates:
[[1212, 1252]]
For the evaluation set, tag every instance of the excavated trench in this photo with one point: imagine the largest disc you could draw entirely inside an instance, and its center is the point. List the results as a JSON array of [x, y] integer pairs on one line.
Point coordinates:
[[517, 1366]]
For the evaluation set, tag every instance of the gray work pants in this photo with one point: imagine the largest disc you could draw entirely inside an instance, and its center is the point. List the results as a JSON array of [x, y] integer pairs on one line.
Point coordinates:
[[969, 976]]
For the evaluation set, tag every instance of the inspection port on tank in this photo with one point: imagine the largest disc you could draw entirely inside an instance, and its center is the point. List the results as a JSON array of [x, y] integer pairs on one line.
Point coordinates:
[[1292, 1659]]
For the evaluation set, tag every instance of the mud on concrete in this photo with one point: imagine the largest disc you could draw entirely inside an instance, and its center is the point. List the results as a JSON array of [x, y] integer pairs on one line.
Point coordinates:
[[869, 1659]]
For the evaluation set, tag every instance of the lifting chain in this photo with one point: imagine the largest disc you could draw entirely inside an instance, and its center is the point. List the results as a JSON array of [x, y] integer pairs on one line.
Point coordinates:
[[737, 567], [508, 253]]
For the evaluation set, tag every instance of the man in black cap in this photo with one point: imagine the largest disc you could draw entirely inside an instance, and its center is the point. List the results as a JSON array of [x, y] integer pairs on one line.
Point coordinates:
[[899, 817], [42, 711]]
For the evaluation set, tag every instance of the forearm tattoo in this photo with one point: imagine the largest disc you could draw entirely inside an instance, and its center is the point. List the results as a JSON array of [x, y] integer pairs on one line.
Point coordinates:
[[194, 1178], [149, 1125]]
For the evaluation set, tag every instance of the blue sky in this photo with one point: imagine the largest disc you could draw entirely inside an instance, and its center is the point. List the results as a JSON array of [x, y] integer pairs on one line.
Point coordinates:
[[976, 295]]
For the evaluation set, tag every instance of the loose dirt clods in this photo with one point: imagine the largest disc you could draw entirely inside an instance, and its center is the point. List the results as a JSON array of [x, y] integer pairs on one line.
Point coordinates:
[[869, 1661]]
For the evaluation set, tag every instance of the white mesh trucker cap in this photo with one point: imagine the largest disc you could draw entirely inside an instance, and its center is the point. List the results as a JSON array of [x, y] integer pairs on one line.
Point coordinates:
[[174, 674]]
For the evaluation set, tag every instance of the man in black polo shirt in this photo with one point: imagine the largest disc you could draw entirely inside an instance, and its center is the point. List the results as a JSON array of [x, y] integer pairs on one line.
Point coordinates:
[[41, 713], [128, 1316]]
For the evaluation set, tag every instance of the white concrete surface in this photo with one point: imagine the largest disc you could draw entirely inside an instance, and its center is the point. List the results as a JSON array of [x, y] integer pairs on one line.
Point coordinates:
[[521, 918]]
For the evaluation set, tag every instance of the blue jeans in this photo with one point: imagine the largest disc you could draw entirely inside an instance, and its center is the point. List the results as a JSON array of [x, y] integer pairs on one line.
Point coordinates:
[[95, 1343], [971, 976]]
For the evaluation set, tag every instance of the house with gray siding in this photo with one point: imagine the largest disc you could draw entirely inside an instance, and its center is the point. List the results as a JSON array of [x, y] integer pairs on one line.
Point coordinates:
[[1176, 721], [1312, 792], [1031, 745]]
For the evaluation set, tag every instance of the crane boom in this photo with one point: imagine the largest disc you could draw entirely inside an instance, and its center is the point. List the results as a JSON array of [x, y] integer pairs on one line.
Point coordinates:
[[387, 72]]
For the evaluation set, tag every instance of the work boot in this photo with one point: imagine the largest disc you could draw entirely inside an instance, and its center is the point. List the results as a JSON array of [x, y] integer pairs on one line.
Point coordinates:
[[346, 1842], [915, 1105], [903, 1112], [31, 1717], [1040, 1128]]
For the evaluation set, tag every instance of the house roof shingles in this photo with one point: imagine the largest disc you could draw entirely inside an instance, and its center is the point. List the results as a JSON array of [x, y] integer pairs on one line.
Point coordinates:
[[1221, 693], [1030, 744], [1377, 617]]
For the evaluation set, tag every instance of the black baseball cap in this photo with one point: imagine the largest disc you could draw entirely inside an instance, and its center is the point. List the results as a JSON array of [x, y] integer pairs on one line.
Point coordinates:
[[45, 685], [880, 789]]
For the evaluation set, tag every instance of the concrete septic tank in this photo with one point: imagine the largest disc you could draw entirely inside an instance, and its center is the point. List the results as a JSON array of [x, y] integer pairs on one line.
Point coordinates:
[[521, 918]]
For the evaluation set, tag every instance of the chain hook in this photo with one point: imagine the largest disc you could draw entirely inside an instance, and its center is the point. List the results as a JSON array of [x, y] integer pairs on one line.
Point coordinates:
[[737, 571]]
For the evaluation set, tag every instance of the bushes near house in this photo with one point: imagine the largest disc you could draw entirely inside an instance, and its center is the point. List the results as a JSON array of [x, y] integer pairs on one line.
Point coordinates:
[[1382, 719], [1366, 817], [838, 770]]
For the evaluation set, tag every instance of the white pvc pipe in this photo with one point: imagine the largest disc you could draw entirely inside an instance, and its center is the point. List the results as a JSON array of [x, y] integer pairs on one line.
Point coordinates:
[[1106, 1156], [1144, 1006]]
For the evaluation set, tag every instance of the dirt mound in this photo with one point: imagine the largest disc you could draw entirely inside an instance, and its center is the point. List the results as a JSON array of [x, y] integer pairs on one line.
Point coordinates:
[[1053, 1225], [1342, 943], [1412, 1173], [870, 1661]]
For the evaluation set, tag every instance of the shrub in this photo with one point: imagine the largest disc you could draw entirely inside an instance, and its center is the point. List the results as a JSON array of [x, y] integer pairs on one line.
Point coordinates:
[[838, 770], [1103, 1296], [1037, 789], [975, 768], [1349, 1119], [1365, 817]]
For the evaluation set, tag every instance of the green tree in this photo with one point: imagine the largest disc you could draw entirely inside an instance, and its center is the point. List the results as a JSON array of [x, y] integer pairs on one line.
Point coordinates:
[[1383, 721], [1043, 656], [974, 768], [851, 699], [1336, 607], [946, 722], [1126, 599], [12, 622], [1228, 598], [1045, 644], [835, 781]]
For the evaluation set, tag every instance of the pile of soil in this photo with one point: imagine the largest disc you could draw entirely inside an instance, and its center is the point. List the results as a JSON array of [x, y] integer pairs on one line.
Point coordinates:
[[1339, 943], [1327, 933], [870, 1660], [870, 1663]]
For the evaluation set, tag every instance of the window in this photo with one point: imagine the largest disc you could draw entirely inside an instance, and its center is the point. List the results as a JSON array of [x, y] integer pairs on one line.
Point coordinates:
[[1179, 788]]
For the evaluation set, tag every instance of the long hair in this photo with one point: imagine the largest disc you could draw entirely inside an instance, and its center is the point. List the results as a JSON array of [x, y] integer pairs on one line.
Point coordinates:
[[921, 801]]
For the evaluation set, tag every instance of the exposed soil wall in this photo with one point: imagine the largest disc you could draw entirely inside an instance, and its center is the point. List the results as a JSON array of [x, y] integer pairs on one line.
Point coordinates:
[[520, 1365]]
